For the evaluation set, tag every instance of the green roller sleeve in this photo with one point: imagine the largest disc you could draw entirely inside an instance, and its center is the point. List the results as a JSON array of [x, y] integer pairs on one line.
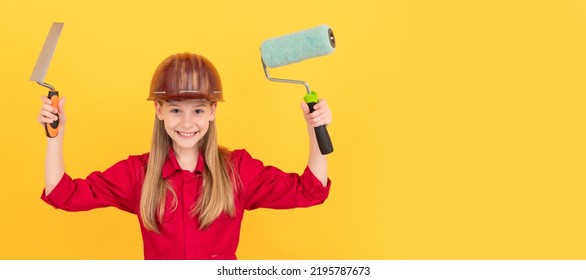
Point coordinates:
[[298, 46]]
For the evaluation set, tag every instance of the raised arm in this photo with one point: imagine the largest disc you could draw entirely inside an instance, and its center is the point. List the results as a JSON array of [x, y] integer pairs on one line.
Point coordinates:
[[318, 163], [54, 164]]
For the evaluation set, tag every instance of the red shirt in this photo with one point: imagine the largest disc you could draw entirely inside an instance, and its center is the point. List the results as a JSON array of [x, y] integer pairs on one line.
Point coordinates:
[[180, 238]]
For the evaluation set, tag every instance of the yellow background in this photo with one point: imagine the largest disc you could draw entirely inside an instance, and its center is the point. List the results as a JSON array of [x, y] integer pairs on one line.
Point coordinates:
[[458, 125]]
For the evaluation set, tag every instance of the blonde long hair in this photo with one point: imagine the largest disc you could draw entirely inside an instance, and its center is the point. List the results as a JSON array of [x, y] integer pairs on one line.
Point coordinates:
[[218, 187]]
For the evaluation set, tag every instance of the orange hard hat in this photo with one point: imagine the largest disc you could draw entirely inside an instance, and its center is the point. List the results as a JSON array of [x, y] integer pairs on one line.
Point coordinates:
[[186, 76]]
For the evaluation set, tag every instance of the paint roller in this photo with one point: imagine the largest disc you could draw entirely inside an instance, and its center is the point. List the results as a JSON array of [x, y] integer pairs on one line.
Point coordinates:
[[295, 47]]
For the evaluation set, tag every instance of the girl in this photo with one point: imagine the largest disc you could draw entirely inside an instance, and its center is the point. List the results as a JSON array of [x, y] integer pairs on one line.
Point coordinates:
[[188, 193]]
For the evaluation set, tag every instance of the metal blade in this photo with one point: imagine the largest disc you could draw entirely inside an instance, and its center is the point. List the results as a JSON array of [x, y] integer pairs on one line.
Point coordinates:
[[44, 59]]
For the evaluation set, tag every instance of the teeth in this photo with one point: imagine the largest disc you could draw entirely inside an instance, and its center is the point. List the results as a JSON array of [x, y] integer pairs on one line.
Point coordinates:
[[186, 134]]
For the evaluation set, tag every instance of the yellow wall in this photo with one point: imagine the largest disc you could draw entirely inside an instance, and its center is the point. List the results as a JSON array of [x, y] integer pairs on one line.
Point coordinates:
[[458, 125]]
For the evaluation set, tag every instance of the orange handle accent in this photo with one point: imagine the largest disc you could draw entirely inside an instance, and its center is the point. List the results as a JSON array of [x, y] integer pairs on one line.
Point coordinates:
[[52, 129]]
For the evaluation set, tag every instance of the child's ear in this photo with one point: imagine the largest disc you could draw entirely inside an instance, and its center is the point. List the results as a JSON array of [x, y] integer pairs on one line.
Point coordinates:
[[213, 113], [158, 110]]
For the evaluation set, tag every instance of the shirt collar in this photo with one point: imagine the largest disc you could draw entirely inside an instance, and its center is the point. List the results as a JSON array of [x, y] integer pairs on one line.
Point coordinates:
[[171, 164]]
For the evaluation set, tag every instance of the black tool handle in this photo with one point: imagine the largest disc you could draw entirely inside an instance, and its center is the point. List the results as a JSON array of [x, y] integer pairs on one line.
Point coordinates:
[[52, 129], [321, 133]]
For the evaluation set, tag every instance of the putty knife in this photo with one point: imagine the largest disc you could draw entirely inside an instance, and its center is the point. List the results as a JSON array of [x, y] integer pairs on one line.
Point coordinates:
[[40, 71]]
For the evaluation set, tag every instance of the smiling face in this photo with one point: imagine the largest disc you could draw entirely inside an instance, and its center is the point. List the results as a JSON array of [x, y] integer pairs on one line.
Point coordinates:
[[186, 122]]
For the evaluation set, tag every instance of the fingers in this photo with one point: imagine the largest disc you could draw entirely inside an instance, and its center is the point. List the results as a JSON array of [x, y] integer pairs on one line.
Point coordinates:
[[322, 115], [304, 108], [44, 120], [48, 113], [322, 104], [45, 99], [322, 119]]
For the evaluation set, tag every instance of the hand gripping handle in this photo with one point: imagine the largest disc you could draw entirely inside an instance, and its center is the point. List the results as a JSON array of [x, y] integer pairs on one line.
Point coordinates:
[[321, 132], [52, 129]]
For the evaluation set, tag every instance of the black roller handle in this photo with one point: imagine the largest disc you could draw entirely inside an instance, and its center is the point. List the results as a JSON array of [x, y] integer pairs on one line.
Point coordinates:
[[321, 133]]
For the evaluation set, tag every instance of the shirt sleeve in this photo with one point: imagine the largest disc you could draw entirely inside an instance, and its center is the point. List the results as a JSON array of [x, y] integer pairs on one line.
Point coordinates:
[[269, 187], [118, 186]]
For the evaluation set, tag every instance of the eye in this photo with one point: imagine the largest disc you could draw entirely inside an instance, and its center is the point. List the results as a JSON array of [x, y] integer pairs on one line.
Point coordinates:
[[199, 111], [175, 111]]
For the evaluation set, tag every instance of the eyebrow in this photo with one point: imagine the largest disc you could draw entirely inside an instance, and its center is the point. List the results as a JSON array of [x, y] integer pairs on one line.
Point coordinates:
[[201, 104]]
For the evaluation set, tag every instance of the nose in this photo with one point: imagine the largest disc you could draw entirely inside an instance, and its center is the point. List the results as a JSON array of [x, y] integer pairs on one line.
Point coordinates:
[[188, 121]]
